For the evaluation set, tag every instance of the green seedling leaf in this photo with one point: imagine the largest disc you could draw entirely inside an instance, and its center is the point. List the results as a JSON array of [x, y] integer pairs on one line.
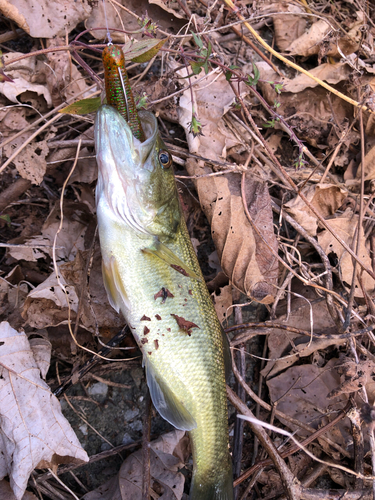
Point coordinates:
[[253, 81], [82, 107], [229, 74], [195, 126], [196, 67], [269, 124], [197, 40], [278, 87], [141, 102], [144, 50], [6, 218]]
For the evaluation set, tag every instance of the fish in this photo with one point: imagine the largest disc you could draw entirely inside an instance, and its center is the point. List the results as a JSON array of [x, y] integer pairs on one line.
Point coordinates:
[[152, 275]]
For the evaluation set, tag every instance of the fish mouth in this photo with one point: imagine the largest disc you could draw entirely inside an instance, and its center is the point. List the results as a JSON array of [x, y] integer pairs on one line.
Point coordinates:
[[125, 165], [112, 132]]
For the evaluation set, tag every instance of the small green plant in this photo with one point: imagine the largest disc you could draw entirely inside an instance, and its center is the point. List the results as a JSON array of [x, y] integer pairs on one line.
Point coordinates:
[[195, 126], [204, 54], [6, 218]]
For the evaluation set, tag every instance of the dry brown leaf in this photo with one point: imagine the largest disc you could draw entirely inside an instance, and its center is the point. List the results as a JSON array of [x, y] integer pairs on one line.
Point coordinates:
[[223, 303], [325, 198], [302, 392], [345, 227], [354, 376], [31, 162], [12, 119], [330, 73], [308, 311], [248, 262], [42, 349], [321, 39], [44, 19], [7, 493], [121, 19], [369, 166], [164, 465], [288, 27], [34, 431], [47, 304]]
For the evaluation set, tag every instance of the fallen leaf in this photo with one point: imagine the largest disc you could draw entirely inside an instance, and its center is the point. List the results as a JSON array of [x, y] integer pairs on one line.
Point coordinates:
[[369, 166], [354, 376], [309, 313], [31, 162], [44, 19], [164, 466], [288, 27], [7, 493], [321, 39], [302, 391], [34, 431], [223, 303], [325, 198], [47, 304], [345, 227], [122, 20]]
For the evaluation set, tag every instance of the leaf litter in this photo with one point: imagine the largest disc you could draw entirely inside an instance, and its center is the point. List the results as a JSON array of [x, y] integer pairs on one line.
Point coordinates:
[[273, 193]]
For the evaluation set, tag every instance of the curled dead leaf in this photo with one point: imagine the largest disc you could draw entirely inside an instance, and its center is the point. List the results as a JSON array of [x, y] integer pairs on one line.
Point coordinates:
[[325, 198], [346, 228]]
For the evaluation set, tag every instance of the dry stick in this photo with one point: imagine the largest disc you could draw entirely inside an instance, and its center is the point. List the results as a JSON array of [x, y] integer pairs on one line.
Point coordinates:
[[290, 482], [243, 337], [146, 436], [235, 10], [360, 223], [317, 494], [296, 447], [358, 444], [13, 192], [295, 188], [286, 417]]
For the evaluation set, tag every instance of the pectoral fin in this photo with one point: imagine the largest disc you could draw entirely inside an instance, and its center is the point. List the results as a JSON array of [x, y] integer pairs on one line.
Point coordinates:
[[166, 402], [162, 251], [113, 284]]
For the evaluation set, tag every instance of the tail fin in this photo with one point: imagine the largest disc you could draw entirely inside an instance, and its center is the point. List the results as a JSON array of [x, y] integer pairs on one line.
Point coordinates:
[[217, 488]]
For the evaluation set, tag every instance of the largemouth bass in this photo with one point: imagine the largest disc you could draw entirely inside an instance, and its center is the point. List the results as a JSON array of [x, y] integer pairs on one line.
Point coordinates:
[[152, 275]]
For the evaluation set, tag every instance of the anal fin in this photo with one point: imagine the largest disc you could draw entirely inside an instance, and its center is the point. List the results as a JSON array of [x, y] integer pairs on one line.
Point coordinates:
[[166, 402]]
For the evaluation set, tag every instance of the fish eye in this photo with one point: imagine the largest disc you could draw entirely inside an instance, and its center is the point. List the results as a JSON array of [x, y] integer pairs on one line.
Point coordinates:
[[165, 158]]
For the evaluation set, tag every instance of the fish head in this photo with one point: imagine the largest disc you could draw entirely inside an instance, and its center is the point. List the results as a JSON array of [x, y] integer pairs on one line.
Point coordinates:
[[136, 185]]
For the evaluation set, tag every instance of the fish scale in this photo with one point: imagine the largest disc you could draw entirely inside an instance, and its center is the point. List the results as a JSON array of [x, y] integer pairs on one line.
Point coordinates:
[[145, 248]]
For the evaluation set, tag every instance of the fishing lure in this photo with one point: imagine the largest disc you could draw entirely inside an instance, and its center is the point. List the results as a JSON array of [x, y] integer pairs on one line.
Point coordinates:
[[118, 90]]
